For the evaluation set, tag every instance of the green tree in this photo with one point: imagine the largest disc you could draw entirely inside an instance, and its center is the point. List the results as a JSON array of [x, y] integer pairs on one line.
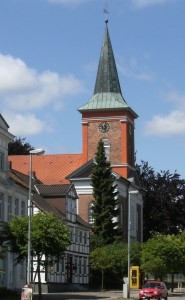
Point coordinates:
[[101, 260], [105, 203], [119, 258], [19, 147], [181, 236], [163, 201], [135, 253], [163, 254], [49, 238], [113, 259]]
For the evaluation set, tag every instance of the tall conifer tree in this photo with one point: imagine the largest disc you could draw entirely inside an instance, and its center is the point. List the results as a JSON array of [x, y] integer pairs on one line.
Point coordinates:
[[105, 204]]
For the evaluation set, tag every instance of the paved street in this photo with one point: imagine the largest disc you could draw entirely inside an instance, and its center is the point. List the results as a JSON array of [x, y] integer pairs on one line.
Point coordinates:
[[98, 296], [81, 295]]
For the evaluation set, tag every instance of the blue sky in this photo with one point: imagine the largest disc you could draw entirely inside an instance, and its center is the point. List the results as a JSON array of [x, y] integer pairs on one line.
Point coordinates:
[[49, 52]]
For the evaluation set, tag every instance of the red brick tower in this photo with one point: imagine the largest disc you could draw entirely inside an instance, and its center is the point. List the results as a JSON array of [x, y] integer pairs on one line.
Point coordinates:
[[107, 116]]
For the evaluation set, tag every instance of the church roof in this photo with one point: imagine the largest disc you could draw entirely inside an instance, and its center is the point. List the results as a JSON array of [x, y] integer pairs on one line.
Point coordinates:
[[49, 169], [106, 101], [107, 92], [107, 80], [53, 173]]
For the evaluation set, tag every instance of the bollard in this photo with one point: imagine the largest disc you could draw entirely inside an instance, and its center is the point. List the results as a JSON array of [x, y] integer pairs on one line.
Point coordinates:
[[27, 292]]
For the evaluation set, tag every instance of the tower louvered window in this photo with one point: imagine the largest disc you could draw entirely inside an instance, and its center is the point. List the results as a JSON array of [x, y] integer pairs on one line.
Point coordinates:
[[106, 144]]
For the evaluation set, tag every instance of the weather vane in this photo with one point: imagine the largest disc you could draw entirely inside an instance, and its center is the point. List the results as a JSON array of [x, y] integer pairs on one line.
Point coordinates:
[[106, 12]]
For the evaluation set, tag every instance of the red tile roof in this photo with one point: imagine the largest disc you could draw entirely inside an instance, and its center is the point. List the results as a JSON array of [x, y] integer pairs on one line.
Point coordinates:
[[18, 180], [49, 169]]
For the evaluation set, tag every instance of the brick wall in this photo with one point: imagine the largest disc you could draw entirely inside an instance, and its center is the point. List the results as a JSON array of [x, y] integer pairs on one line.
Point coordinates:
[[113, 135], [83, 205]]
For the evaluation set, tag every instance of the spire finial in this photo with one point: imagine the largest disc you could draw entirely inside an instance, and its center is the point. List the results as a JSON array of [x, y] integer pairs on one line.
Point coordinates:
[[106, 12]]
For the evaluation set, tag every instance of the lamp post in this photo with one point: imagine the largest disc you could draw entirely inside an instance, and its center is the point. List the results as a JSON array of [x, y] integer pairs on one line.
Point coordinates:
[[31, 152], [129, 223]]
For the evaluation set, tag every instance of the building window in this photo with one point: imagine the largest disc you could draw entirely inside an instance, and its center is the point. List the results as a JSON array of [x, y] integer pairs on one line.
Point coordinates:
[[76, 264], [63, 264], [80, 237], [9, 208], [58, 266], [72, 234], [16, 206], [1, 206], [85, 238], [106, 144], [71, 206], [22, 271], [52, 268], [76, 236], [85, 266], [23, 208], [80, 265], [90, 213], [1, 161]]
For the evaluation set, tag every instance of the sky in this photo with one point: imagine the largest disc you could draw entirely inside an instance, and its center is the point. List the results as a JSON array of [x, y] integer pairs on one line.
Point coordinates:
[[49, 53]]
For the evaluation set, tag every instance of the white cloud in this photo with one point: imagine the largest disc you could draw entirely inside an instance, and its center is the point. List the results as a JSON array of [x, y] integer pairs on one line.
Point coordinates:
[[172, 123], [24, 124], [165, 125], [144, 3], [25, 93], [14, 75], [176, 98], [22, 88], [134, 70]]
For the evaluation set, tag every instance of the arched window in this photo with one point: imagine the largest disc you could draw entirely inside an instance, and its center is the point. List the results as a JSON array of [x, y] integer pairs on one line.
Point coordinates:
[[106, 144], [90, 213]]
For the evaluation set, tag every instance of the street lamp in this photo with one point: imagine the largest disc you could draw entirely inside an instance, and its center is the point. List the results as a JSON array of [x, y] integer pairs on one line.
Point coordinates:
[[31, 152], [129, 223]]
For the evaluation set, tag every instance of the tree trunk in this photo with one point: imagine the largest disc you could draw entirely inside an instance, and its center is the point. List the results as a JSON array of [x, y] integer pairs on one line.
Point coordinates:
[[172, 282], [102, 280]]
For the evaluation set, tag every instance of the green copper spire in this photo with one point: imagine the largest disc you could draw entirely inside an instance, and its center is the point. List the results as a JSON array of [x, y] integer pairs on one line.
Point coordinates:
[[107, 80], [107, 92]]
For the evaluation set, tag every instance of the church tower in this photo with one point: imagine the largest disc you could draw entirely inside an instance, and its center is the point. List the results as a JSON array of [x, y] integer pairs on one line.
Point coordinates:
[[107, 116]]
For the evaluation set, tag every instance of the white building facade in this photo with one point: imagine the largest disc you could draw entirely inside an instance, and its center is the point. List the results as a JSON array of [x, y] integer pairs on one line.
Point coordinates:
[[72, 269], [13, 201]]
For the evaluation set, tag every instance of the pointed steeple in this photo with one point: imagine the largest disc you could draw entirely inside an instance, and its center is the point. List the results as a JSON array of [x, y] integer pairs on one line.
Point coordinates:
[[107, 80], [107, 92]]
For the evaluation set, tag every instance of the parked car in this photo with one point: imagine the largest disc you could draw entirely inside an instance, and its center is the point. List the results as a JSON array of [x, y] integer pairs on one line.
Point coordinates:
[[153, 289]]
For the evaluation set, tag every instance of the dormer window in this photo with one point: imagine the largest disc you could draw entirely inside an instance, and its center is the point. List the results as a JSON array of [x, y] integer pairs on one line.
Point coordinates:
[[71, 208], [71, 205]]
